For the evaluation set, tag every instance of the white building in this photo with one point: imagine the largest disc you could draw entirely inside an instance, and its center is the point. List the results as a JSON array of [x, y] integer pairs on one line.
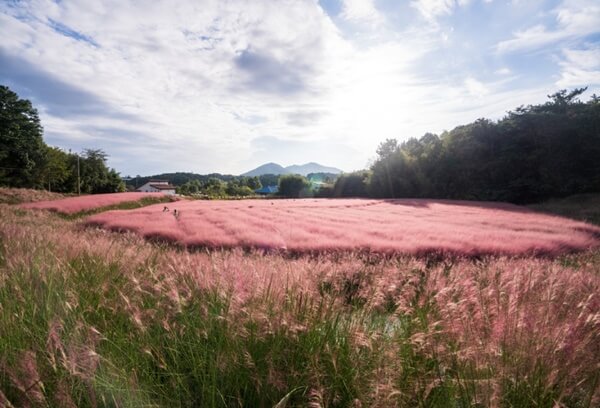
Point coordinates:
[[157, 186]]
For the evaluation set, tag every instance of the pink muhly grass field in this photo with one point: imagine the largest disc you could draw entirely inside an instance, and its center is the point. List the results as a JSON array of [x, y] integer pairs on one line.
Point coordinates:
[[74, 205], [382, 226]]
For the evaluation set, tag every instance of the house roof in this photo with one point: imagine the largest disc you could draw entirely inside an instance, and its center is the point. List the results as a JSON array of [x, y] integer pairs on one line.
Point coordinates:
[[163, 186], [158, 186]]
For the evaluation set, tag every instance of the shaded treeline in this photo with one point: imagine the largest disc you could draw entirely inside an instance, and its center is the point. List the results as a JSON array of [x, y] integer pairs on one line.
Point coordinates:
[[534, 153]]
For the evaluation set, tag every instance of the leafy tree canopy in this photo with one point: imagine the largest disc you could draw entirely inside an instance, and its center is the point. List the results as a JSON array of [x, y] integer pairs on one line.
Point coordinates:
[[22, 148], [293, 185]]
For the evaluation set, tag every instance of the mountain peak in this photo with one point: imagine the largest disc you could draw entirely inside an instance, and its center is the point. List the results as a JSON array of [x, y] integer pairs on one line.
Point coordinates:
[[303, 169]]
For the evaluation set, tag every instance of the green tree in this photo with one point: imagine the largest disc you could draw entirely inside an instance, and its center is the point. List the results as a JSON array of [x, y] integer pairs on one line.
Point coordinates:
[[269, 179], [293, 185], [96, 177], [253, 183], [235, 189], [387, 149], [56, 173], [190, 188], [215, 187], [352, 185], [22, 148]]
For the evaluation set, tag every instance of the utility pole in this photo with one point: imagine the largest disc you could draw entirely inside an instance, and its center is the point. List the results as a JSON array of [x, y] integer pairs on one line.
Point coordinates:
[[78, 178]]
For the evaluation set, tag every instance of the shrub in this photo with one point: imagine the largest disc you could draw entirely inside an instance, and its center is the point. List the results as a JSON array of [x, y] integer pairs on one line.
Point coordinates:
[[293, 186]]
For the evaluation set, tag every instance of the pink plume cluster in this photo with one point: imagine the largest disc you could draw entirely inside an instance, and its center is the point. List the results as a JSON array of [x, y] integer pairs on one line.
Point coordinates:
[[74, 205], [382, 226]]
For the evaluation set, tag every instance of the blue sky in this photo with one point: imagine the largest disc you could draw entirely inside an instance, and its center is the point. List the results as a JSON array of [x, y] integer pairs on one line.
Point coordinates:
[[224, 86]]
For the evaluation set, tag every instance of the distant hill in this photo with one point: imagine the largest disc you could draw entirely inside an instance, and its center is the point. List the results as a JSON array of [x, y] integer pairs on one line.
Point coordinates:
[[268, 168], [304, 169], [312, 167], [177, 179]]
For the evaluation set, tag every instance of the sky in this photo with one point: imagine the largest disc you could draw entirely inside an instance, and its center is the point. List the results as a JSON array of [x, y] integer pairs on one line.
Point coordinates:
[[225, 85]]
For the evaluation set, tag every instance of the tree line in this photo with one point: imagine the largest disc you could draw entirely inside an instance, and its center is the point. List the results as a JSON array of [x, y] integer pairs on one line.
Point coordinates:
[[535, 152], [216, 185], [27, 161]]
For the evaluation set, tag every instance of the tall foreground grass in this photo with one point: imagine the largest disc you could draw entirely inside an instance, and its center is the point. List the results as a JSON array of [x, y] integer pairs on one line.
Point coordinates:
[[91, 318]]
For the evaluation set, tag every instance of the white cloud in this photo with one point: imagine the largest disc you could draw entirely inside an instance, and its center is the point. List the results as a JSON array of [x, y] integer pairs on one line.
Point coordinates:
[[580, 67], [361, 11], [579, 16], [503, 71], [431, 9], [531, 38], [573, 18], [475, 87]]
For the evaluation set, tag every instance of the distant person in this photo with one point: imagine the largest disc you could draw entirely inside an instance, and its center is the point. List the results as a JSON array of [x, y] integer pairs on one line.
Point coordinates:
[[166, 209]]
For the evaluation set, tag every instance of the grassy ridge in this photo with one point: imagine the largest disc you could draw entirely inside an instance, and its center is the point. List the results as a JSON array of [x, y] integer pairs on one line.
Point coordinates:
[[25, 195], [127, 205], [90, 318]]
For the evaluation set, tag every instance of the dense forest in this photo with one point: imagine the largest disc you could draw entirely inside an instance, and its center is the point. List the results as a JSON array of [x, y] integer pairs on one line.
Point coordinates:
[[534, 153]]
